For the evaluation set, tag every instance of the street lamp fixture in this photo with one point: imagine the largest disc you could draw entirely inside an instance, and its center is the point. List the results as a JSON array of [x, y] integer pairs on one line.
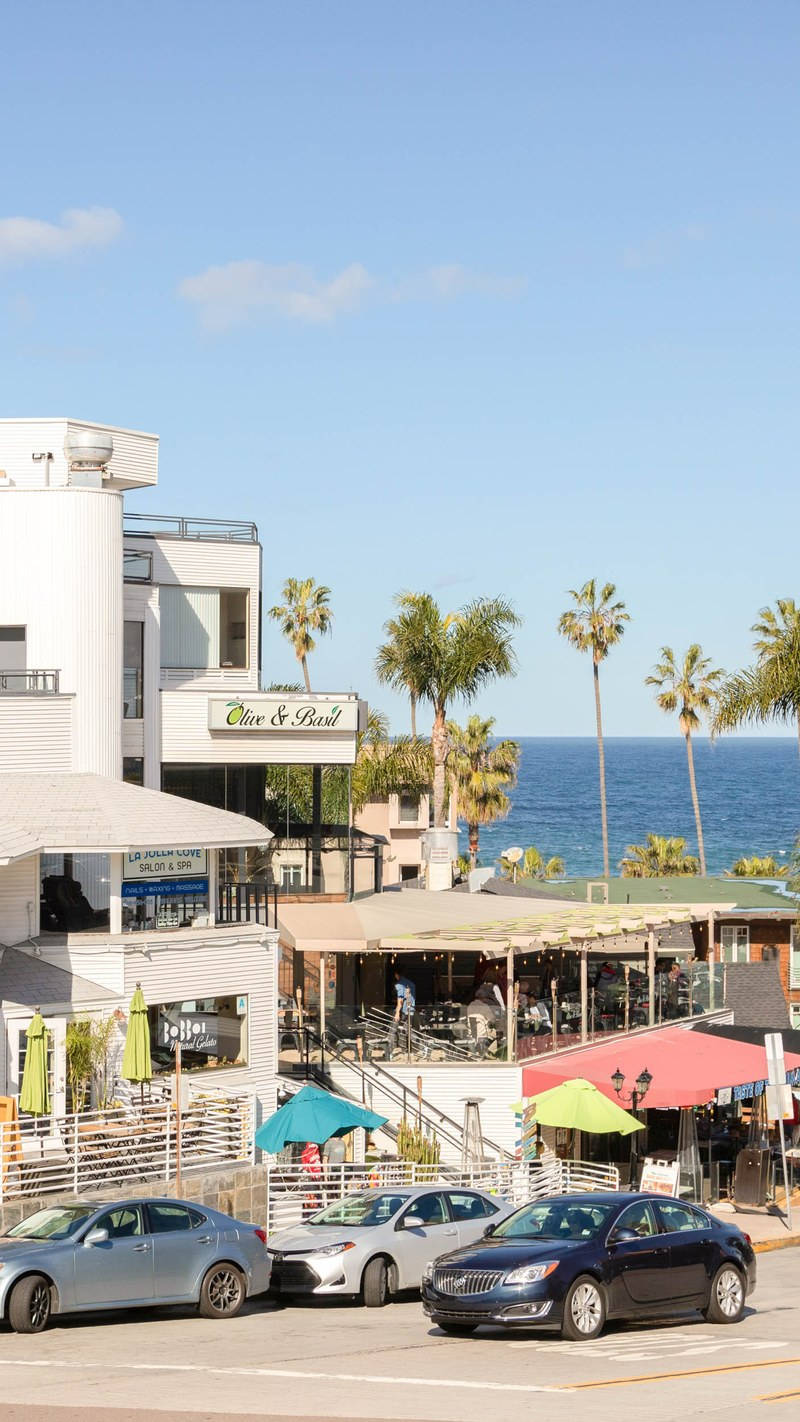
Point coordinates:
[[640, 1088]]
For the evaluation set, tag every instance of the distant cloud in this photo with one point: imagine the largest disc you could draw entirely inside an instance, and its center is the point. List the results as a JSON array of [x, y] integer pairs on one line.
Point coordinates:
[[237, 292], [226, 296], [658, 251], [446, 283], [24, 239]]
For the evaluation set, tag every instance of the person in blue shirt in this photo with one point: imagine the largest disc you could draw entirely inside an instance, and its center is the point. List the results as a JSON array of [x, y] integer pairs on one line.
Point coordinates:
[[406, 997]]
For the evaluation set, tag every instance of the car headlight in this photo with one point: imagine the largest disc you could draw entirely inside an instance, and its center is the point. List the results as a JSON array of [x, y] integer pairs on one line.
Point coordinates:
[[532, 1273], [427, 1273], [331, 1249]]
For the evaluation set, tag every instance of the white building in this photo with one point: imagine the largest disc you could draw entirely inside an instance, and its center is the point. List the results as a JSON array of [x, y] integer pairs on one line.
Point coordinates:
[[130, 649]]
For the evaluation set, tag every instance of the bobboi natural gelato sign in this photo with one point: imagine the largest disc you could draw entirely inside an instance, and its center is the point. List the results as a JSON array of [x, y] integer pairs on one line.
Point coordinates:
[[275, 713]]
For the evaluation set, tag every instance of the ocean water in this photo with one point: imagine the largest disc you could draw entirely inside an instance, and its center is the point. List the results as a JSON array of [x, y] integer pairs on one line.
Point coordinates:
[[749, 792]]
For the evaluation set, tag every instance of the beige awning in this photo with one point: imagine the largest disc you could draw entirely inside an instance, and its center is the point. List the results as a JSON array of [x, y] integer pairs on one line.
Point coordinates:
[[415, 921]]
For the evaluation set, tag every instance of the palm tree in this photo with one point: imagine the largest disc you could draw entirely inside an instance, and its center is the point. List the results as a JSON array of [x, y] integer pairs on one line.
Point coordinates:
[[304, 611], [480, 773], [771, 689], [689, 689], [386, 766], [595, 624], [398, 659], [660, 857], [453, 655], [757, 867]]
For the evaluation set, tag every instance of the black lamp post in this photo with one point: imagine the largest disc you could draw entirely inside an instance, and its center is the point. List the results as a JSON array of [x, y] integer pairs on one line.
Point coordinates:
[[632, 1098]]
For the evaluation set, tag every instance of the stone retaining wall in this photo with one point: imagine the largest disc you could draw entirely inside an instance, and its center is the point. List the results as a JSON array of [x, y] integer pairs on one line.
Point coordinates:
[[239, 1190]]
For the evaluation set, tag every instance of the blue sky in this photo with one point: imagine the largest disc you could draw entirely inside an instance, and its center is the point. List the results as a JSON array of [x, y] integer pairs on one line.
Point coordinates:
[[475, 298]]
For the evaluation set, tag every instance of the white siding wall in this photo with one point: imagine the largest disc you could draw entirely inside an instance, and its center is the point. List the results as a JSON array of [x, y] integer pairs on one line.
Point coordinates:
[[218, 964], [201, 563], [444, 1086], [185, 738], [61, 576], [19, 887], [134, 462], [35, 733]]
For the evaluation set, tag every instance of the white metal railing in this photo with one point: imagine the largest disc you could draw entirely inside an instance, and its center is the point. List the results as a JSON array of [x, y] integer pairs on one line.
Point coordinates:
[[90, 1150], [294, 1192]]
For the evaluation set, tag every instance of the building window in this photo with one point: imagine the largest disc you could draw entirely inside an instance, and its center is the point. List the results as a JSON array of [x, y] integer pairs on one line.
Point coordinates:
[[176, 908], [133, 661], [408, 809], [137, 566], [13, 658], [794, 1015], [291, 876], [212, 1032], [133, 769], [74, 892], [409, 872], [734, 944], [204, 628], [794, 958]]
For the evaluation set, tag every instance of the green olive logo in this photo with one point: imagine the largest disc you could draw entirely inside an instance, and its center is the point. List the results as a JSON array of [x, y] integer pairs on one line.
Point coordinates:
[[236, 712]]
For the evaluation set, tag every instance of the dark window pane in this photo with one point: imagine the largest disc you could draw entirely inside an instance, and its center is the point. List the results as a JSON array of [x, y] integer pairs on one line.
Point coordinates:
[[133, 769], [166, 1218]]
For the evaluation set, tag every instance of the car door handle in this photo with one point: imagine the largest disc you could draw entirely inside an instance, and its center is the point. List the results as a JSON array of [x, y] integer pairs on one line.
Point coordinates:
[[205, 1239], [451, 1231], [141, 1248]]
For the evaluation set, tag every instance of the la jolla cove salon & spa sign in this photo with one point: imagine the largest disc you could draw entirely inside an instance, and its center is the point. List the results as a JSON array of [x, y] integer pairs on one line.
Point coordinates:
[[274, 712], [164, 871]]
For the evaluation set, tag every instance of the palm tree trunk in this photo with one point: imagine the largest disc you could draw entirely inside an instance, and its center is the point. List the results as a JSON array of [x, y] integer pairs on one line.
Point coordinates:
[[601, 756], [473, 831], [440, 745], [307, 678], [698, 822], [413, 699]]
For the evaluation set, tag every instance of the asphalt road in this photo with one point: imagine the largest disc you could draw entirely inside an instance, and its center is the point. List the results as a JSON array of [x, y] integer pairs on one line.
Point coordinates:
[[341, 1361]]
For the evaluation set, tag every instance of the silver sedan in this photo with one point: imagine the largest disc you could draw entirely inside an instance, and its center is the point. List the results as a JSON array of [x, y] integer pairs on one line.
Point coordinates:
[[379, 1241], [79, 1257]]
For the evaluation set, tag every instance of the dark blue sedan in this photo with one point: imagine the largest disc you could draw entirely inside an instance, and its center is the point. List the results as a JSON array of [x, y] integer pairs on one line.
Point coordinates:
[[574, 1261]]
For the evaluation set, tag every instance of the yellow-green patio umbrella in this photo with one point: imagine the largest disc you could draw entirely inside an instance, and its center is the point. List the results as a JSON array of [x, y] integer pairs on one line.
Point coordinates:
[[136, 1064], [577, 1105], [34, 1096]]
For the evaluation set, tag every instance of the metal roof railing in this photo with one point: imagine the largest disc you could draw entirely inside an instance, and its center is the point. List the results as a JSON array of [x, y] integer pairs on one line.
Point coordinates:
[[217, 530]]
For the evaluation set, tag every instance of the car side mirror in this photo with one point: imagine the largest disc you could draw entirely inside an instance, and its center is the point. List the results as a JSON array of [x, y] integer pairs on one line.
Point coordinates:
[[622, 1236], [413, 1222], [488, 1230], [96, 1236]]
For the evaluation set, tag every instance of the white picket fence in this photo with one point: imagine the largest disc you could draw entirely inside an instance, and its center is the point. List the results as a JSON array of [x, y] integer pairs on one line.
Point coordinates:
[[94, 1150], [294, 1193]]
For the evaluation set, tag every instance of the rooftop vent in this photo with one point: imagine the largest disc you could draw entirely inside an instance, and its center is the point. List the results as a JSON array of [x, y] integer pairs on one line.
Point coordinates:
[[88, 449]]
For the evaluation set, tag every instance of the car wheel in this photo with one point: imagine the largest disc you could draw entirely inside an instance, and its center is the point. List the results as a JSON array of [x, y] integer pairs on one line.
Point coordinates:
[[222, 1293], [584, 1310], [456, 1328], [29, 1305], [375, 1284], [726, 1300]]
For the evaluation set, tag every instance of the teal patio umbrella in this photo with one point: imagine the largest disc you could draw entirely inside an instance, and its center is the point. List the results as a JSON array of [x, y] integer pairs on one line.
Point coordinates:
[[136, 1064], [34, 1096], [314, 1115]]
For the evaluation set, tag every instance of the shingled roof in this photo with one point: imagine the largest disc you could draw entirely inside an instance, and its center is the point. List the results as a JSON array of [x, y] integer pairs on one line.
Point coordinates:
[[754, 994]]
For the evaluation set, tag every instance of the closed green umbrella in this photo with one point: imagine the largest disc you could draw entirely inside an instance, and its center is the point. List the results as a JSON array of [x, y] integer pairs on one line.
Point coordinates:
[[34, 1096], [136, 1064], [577, 1105]]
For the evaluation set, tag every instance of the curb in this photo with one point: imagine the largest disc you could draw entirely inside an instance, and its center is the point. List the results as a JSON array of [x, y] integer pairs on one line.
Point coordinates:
[[766, 1246]]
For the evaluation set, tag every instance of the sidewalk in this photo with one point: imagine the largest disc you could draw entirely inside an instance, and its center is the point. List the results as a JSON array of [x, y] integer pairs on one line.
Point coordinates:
[[766, 1226]]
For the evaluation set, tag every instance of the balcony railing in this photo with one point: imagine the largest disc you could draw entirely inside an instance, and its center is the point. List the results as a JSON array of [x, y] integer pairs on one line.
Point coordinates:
[[28, 683], [253, 902], [224, 530]]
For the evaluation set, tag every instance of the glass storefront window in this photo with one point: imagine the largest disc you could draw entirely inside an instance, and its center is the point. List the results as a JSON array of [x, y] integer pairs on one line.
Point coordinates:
[[212, 1032], [164, 911], [74, 893], [133, 661]]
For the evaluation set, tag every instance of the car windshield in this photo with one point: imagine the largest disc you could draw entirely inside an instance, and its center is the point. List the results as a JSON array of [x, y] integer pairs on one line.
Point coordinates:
[[555, 1219], [360, 1210], [56, 1222]]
